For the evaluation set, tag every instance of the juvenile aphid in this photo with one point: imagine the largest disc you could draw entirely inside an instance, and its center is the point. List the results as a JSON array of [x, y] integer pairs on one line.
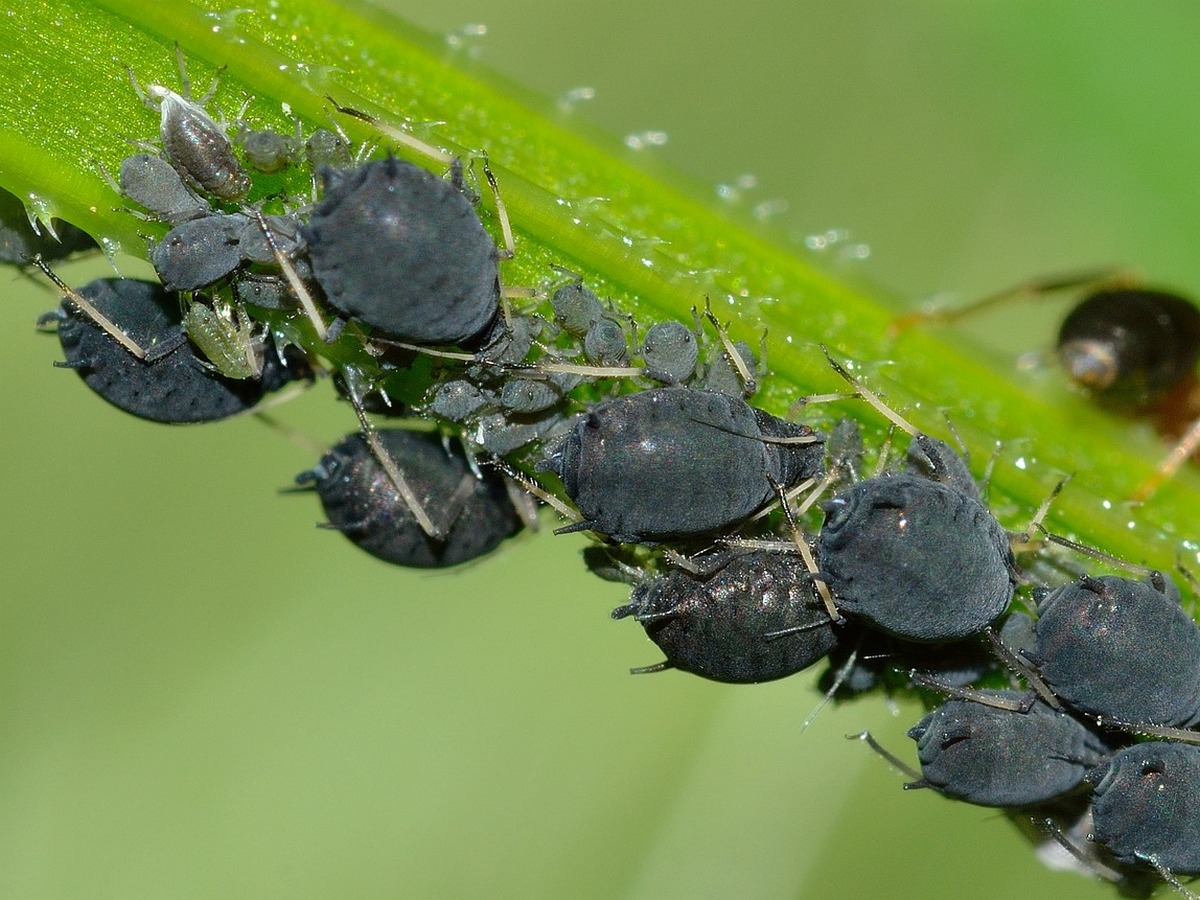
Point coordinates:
[[168, 382], [678, 463], [576, 307], [404, 252], [266, 151], [152, 182], [740, 618], [1120, 649], [993, 756], [671, 352], [1146, 807], [605, 343], [226, 337], [19, 242], [474, 513], [192, 142], [916, 553]]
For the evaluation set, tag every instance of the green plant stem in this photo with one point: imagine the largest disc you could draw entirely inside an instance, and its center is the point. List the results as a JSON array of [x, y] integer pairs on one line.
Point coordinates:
[[575, 202]]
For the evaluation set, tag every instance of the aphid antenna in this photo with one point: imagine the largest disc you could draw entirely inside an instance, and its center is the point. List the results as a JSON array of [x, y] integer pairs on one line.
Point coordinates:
[[1036, 287], [682, 561], [985, 482], [531, 485], [806, 554], [1091, 864], [395, 133], [798, 405], [759, 544], [791, 494], [749, 379], [1035, 524], [871, 397], [885, 452], [293, 279], [86, 307], [301, 439], [556, 368], [895, 761], [650, 670], [384, 458], [839, 679], [1017, 665], [510, 246]]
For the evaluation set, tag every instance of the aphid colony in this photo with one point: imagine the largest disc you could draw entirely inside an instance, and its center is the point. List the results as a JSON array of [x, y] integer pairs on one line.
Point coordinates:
[[697, 498]]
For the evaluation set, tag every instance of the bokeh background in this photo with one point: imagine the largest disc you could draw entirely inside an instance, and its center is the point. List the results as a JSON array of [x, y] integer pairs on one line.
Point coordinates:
[[203, 695]]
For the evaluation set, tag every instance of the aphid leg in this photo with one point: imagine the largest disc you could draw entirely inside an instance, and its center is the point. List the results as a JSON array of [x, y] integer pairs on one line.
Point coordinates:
[[806, 554], [650, 670], [895, 761], [749, 379], [1022, 541], [871, 397], [1036, 287], [1183, 735], [1094, 553], [185, 83], [399, 135], [1183, 450], [293, 279], [86, 307], [385, 460], [1166, 875], [1023, 705], [541, 493], [510, 246], [1022, 668], [523, 502], [1089, 863]]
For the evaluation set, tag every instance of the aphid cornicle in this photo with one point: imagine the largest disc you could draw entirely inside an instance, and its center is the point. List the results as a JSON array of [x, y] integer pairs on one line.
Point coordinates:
[[742, 618], [402, 251], [673, 463], [476, 513]]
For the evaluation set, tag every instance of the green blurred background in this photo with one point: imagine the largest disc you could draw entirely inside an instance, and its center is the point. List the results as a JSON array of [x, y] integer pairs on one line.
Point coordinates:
[[203, 695]]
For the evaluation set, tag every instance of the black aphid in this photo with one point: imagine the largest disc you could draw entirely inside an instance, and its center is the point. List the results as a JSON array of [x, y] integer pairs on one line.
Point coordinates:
[[402, 251], [678, 462], [1121, 649], [200, 252], [475, 514], [1002, 757], [1146, 808], [742, 618], [671, 352], [916, 554], [171, 383]]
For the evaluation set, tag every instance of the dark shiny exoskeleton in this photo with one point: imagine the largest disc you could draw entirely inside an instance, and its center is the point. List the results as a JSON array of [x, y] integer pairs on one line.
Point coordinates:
[[749, 617], [916, 554], [361, 501], [402, 251], [678, 463], [172, 384], [19, 242], [1129, 346], [1147, 805], [1000, 757], [1120, 649]]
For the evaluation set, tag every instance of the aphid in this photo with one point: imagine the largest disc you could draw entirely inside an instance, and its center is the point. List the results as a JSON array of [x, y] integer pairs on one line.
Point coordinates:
[[1120, 649], [192, 142], [916, 553], [678, 462], [404, 252], [1146, 806], [226, 337], [200, 252], [265, 150], [155, 374], [19, 242], [327, 149], [740, 618], [994, 756], [671, 352], [605, 343], [152, 182], [475, 513], [576, 308]]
